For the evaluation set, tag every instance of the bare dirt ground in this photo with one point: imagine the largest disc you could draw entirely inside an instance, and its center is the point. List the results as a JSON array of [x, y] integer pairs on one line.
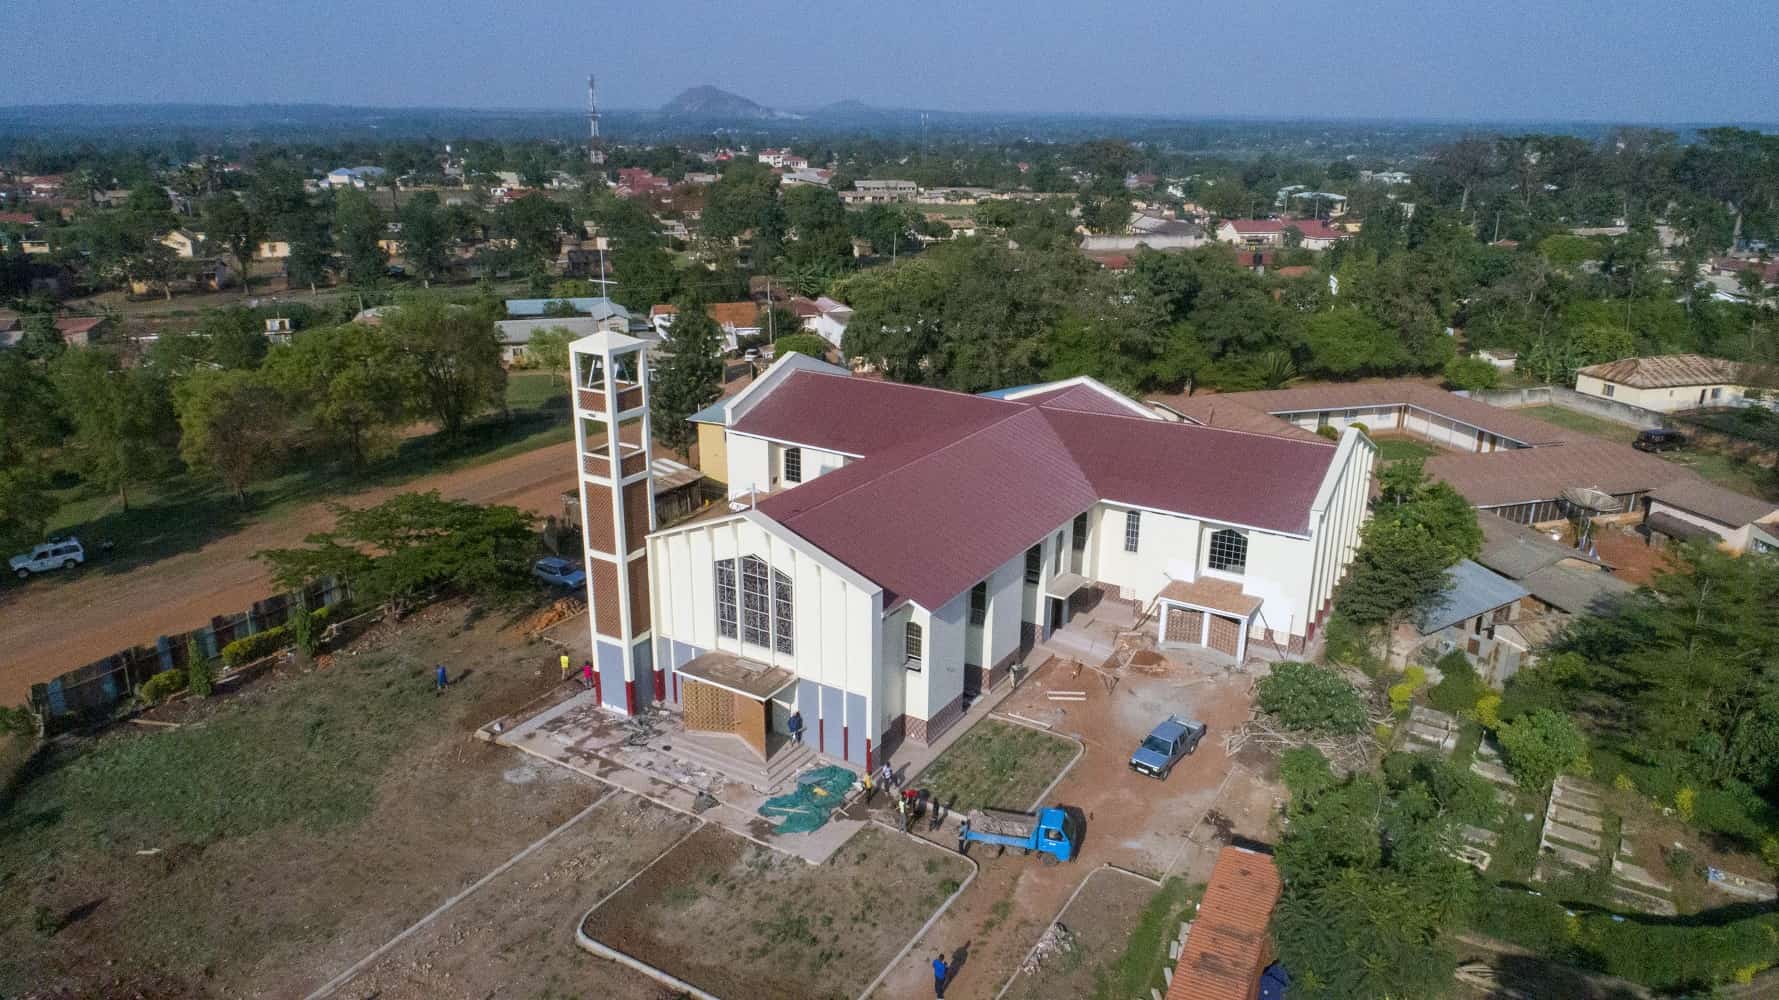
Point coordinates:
[[54, 626], [743, 921], [277, 910], [515, 936], [1132, 821], [1099, 924]]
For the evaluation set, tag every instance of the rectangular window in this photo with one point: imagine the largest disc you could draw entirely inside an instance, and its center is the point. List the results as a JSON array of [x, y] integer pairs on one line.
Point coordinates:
[[756, 608], [726, 620], [979, 603], [1609, 389], [1133, 529], [1034, 564], [782, 625], [1229, 551], [1056, 555], [793, 465], [1078, 540], [911, 645]]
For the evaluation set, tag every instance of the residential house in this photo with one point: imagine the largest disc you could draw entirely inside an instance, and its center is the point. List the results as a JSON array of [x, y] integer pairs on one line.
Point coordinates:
[[81, 331], [1227, 954], [278, 329], [635, 182], [354, 177], [1690, 508], [186, 244], [1560, 581], [1464, 615], [1317, 235], [830, 320], [1670, 382], [272, 249], [807, 175], [891, 549], [515, 334], [1392, 178], [739, 320], [595, 306], [880, 192]]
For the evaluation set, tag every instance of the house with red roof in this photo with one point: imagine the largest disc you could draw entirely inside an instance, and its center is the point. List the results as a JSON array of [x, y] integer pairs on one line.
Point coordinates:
[[890, 551], [1316, 234]]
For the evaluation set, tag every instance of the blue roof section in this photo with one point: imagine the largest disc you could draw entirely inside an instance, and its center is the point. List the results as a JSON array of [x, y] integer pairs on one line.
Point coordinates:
[[596, 306], [1471, 589], [1010, 390], [712, 414]]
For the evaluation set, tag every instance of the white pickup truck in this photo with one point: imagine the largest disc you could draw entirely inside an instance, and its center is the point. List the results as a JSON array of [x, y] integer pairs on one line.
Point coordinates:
[[57, 553]]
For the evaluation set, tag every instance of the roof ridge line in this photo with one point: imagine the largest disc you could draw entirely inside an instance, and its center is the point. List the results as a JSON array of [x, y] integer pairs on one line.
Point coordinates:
[[919, 457], [1187, 422]]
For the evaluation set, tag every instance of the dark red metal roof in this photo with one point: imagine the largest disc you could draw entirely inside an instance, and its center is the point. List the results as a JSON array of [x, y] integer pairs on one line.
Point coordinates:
[[858, 416], [952, 486]]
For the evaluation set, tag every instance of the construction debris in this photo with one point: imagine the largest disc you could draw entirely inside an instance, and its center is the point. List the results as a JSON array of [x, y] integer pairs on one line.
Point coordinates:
[[1058, 940], [558, 611], [1348, 753]]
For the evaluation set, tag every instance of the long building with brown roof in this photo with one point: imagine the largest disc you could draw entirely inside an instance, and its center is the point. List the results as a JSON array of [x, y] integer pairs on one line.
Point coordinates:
[[1228, 947], [894, 549]]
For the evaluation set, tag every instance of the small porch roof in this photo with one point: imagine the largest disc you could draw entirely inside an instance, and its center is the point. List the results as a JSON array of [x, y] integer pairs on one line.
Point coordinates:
[[1222, 596], [1065, 584], [737, 675]]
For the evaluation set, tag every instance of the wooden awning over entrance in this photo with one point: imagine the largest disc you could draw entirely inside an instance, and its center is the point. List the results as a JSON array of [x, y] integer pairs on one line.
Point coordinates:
[[737, 675]]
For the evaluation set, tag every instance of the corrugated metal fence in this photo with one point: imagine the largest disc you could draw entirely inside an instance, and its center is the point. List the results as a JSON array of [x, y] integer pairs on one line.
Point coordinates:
[[92, 692]]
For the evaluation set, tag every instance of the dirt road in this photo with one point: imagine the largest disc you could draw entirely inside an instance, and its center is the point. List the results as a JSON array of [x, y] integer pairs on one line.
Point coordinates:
[[50, 626]]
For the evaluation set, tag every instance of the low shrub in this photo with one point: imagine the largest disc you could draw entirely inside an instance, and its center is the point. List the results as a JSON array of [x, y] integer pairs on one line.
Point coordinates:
[[162, 686], [1308, 697], [1361, 426], [250, 648], [200, 673], [1328, 432], [1402, 693], [1459, 685], [1541, 745]]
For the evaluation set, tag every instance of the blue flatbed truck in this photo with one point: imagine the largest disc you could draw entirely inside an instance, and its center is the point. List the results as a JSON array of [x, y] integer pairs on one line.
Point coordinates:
[[1054, 832]]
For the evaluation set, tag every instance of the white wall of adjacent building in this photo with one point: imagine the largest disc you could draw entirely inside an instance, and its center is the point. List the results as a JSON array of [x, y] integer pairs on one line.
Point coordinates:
[[759, 463], [1664, 400]]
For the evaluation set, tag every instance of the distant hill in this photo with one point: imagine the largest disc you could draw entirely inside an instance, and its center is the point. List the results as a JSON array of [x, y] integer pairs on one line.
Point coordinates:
[[709, 102], [850, 106]]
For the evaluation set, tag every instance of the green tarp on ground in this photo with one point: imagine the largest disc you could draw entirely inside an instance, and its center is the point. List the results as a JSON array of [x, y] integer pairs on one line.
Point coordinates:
[[818, 793]]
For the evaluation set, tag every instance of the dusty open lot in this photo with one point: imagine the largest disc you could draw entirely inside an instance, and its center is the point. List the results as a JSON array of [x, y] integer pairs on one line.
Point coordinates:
[[286, 831], [1132, 821], [740, 920], [54, 625]]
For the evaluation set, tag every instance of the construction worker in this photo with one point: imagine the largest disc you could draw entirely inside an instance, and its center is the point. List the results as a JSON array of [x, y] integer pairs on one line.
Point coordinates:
[[564, 661]]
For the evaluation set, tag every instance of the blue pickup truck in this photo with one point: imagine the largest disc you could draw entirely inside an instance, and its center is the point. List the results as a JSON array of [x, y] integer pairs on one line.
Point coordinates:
[[1165, 745], [1054, 832]]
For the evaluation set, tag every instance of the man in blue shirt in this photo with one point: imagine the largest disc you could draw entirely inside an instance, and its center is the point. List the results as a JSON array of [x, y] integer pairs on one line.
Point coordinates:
[[439, 679], [940, 974]]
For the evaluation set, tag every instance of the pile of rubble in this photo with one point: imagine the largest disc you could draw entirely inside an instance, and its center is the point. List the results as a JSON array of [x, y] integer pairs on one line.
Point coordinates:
[[1058, 940]]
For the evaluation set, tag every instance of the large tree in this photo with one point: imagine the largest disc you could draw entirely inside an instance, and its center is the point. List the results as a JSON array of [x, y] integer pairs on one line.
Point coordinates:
[[28, 425], [413, 544], [231, 424], [426, 240], [357, 228], [446, 357], [124, 428], [339, 379], [231, 223], [689, 378]]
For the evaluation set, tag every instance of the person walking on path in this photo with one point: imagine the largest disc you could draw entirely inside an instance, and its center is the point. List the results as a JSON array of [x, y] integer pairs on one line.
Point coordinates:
[[940, 974], [439, 680], [587, 675], [795, 725], [565, 666], [886, 776]]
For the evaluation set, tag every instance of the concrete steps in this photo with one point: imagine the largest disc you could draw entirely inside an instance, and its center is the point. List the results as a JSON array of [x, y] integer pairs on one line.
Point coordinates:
[[735, 760]]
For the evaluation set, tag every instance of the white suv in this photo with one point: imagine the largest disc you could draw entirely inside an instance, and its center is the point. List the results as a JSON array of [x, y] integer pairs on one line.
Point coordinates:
[[57, 553]]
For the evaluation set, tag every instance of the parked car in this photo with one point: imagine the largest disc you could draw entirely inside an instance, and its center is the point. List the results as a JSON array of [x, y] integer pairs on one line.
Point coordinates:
[[1659, 439], [57, 553], [1165, 745], [560, 572], [750, 355]]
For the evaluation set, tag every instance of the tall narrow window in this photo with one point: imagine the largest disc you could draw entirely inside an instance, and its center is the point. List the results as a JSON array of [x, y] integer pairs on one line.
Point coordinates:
[[911, 643], [1133, 527], [979, 603], [793, 465], [781, 613], [756, 606], [1229, 551], [1034, 564], [1078, 536], [726, 620], [1056, 556]]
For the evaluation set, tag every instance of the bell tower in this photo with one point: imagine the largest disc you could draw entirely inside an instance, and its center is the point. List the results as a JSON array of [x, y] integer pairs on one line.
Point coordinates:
[[611, 435]]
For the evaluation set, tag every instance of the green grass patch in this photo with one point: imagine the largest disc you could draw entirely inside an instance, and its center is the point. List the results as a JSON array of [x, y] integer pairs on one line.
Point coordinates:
[[996, 764], [1731, 810], [1515, 853], [1581, 423], [1145, 952], [1397, 449], [312, 756]]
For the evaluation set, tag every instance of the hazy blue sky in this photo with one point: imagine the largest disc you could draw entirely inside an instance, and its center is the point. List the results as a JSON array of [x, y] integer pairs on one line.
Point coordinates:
[[1638, 60]]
